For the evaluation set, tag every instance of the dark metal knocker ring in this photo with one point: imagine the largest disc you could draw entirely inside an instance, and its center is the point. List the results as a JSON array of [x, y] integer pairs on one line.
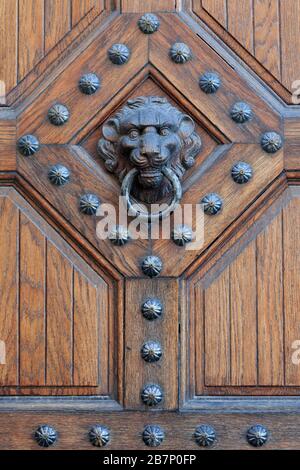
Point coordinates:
[[151, 216]]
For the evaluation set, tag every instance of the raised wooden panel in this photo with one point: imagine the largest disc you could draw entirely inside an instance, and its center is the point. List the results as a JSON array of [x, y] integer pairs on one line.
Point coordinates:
[[54, 310], [244, 309]]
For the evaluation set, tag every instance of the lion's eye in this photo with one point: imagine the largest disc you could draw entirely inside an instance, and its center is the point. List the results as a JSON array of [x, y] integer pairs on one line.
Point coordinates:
[[133, 134], [164, 131]]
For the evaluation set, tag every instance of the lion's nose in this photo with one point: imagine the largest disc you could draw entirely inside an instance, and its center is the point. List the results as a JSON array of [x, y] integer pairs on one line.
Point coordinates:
[[150, 145]]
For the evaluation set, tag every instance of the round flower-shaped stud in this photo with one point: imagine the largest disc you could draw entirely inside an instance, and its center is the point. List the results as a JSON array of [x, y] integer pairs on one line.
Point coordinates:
[[257, 435], [89, 204], [119, 235], [119, 54], [181, 235], [59, 175], [99, 435], [209, 82], [205, 435], [152, 395], [28, 145], [58, 114], [153, 435], [151, 266], [212, 204], [152, 309], [180, 53], [45, 435], [148, 23], [151, 351], [89, 83], [271, 142], [241, 112], [241, 172]]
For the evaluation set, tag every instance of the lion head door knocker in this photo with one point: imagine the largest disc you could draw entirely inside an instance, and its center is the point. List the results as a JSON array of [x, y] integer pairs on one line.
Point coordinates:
[[149, 144]]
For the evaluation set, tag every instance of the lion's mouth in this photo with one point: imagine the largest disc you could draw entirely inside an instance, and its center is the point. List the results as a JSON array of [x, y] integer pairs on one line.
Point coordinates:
[[150, 178]]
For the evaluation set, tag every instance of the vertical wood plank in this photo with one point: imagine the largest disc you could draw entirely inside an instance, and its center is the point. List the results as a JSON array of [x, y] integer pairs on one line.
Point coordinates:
[[57, 21], [291, 244], [32, 304], [8, 43], [269, 305], [240, 22], [59, 318], [266, 35], [80, 8], [290, 41], [31, 35], [138, 330], [217, 331], [9, 233], [136, 6], [86, 316], [216, 8], [243, 318]]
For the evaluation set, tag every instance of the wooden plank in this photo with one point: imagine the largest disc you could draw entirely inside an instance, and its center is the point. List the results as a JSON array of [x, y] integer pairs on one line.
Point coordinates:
[[266, 35], [269, 305], [292, 143], [290, 41], [291, 244], [8, 160], [138, 373], [80, 8], [9, 233], [217, 331], [32, 304], [59, 318], [8, 44], [216, 8], [243, 318], [86, 319], [240, 22], [136, 6], [57, 21], [31, 35]]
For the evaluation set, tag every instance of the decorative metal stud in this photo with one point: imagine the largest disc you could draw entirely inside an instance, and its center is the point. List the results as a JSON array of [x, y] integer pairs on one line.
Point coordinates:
[[119, 235], [151, 266], [257, 435], [148, 23], [241, 112], [99, 435], [151, 351], [28, 145], [212, 204], [58, 114], [59, 175], [152, 395], [181, 235], [241, 172], [205, 435], [89, 204], [153, 435], [45, 435], [89, 83], [152, 309], [209, 82], [119, 54], [271, 142], [180, 53]]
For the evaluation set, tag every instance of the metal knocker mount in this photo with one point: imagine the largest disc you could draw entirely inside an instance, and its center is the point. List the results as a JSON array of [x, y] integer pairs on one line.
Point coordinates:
[[149, 144]]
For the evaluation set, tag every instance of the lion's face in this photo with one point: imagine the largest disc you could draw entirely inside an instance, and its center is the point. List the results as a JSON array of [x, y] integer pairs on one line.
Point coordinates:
[[148, 134]]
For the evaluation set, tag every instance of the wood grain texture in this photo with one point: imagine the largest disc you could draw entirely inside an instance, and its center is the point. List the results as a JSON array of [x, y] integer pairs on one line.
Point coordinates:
[[138, 330], [8, 158], [8, 41], [31, 35], [216, 8], [136, 6], [292, 143], [32, 304], [57, 21], [290, 39], [80, 8], [240, 22], [9, 281]]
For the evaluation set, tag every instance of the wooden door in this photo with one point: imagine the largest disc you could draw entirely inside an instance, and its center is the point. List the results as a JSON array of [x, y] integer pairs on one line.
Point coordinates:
[[124, 342]]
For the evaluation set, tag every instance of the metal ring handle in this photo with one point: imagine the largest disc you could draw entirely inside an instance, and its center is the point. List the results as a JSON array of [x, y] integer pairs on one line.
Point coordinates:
[[149, 216]]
